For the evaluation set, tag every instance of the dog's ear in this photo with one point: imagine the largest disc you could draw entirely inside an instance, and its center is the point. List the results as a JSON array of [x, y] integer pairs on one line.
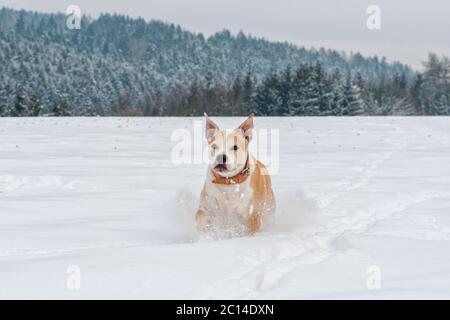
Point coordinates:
[[210, 128], [247, 127]]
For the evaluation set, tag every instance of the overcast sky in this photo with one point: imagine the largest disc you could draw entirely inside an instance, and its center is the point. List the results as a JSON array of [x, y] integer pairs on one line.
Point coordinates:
[[409, 28]]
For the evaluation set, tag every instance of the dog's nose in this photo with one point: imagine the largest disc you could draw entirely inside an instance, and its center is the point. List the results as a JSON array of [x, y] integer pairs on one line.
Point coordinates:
[[221, 159]]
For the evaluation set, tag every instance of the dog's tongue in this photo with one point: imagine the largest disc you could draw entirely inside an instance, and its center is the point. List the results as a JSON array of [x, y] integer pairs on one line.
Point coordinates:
[[220, 167]]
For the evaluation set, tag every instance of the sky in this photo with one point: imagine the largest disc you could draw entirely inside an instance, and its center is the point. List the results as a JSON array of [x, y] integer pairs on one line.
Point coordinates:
[[410, 29]]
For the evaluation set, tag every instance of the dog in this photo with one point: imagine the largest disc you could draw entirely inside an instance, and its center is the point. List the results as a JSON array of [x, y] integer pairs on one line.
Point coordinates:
[[237, 193]]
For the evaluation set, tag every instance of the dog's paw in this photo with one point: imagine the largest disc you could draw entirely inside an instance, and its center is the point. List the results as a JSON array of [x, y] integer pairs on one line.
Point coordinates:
[[252, 223], [203, 223]]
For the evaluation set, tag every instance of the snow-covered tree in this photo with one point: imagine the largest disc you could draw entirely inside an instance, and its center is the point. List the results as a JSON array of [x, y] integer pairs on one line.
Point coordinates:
[[35, 107], [60, 108], [350, 104], [268, 99], [19, 108], [3, 108], [436, 84]]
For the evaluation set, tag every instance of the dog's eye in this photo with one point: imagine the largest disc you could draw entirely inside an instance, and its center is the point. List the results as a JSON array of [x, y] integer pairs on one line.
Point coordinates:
[[235, 147], [214, 146]]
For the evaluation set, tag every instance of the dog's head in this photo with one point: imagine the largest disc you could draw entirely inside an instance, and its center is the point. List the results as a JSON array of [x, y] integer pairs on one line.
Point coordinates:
[[228, 151]]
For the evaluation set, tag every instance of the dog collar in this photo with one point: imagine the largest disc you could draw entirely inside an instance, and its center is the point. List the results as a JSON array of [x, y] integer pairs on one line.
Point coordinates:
[[237, 179]]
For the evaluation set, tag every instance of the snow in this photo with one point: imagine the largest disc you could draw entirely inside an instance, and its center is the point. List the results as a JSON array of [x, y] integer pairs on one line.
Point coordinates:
[[358, 199]]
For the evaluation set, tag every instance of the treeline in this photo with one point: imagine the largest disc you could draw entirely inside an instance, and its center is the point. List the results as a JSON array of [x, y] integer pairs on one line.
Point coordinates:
[[30, 105], [306, 91], [311, 91], [116, 65]]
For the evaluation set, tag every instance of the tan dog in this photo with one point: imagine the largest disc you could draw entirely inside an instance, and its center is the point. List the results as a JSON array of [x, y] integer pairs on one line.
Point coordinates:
[[237, 192]]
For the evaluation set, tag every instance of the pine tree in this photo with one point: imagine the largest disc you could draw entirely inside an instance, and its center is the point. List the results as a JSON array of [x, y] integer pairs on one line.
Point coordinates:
[[313, 91], [3, 110], [248, 94], [443, 105], [267, 100], [351, 104], [416, 93], [285, 89], [194, 100], [324, 91], [60, 68], [298, 103], [359, 82], [368, 105], [338, 99], [436, 84], [236, 98], [60, 108], [35, 107], [19, 106], [152, 104], [20, 23]]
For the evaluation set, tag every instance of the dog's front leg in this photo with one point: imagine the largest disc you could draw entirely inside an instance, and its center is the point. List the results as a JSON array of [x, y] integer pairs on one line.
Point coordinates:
[[252, 222], [203, 222]]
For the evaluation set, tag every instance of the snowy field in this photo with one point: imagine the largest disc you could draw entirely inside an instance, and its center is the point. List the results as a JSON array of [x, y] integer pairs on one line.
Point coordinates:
[[364, 212]]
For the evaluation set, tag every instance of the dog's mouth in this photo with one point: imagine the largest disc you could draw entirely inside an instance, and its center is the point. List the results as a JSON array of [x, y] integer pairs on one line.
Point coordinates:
[[220, 167]]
